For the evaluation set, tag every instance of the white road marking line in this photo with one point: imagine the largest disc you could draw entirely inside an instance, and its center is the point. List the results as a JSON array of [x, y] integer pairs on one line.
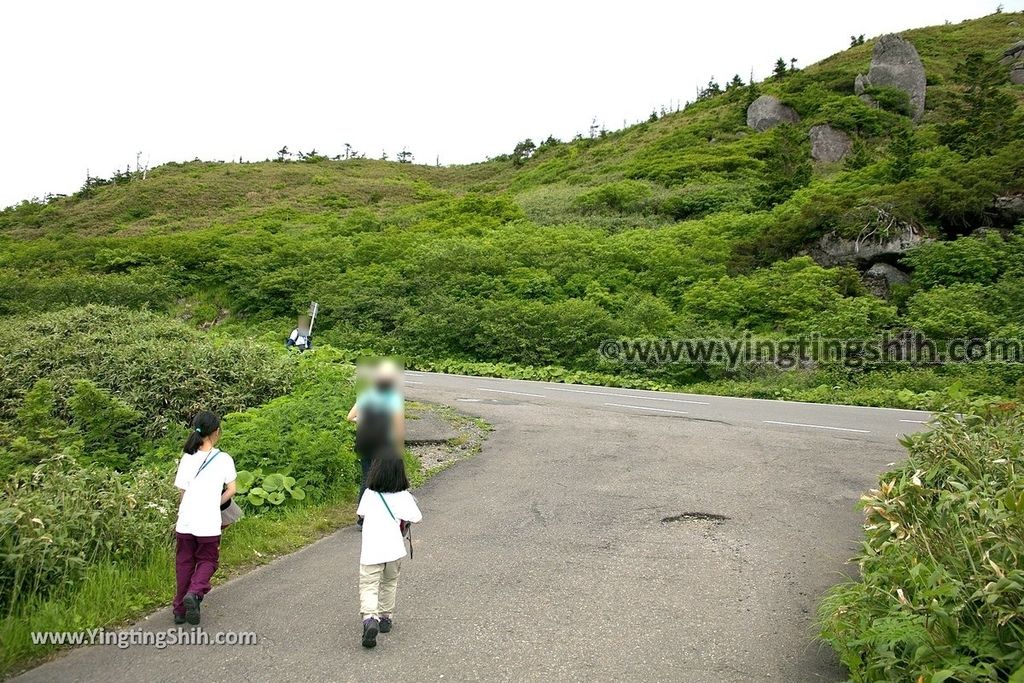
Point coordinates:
[[414, 373], [660, 410], [409, 381], [723, 397], [801, 424], [920, 422], [633, 396], [503, 391], [469, 400]]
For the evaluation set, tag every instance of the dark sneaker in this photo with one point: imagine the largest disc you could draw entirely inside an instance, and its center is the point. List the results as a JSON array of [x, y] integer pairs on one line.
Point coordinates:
[[179, 618], [192, 608], [371, 627], [385, 624]]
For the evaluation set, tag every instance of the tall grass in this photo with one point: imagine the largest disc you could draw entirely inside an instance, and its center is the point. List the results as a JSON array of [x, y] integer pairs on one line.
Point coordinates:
[[941, 595], [113, 592]]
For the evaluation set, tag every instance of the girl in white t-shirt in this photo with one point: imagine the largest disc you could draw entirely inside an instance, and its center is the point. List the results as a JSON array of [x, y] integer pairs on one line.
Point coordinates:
[[385, 505], [206, 477]]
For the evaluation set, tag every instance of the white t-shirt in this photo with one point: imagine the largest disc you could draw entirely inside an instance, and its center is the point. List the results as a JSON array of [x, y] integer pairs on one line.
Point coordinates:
[[382, 536], [199, 512]]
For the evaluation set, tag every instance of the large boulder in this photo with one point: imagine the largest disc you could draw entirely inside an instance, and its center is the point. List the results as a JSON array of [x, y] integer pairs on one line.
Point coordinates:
[[896, 64], [883, 239], [1017, 73], [1014, 58], [767, 112], [829, 144], [860, 84], [1008, 210], [1015, 52], [880, 278]]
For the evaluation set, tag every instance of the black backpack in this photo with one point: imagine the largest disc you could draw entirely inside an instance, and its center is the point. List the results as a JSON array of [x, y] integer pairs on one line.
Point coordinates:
[[373, 430]]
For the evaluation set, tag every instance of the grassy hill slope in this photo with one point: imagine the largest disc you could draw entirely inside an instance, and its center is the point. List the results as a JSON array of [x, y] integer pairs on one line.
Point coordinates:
[[688, 225]]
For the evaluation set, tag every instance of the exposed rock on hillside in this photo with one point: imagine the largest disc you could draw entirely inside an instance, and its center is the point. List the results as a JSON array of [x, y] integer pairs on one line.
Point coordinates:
[[896, 64], [860, 84], [883, 238], [767, 112], [1014, 58], [1008, 210], [880, 278], [1015, 52], [829, 144]]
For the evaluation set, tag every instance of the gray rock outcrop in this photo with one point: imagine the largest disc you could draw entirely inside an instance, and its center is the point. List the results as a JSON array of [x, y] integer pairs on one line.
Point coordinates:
[[1014, 58], [1015, 52], [1017, 73], [896, 64], [880, 278], [767, 112], [829, 144], [859, 84], [1008, 210], [833, 250]]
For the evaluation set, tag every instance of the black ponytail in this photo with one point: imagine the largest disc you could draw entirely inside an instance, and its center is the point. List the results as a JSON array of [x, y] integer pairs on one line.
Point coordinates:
[[204, 424]]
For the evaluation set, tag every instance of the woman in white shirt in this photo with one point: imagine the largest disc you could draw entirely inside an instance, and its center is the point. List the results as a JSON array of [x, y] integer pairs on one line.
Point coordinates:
[[385, 505], [206, 477]]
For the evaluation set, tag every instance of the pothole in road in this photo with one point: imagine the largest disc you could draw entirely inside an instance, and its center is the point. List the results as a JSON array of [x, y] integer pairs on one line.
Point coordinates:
[[712, 517]]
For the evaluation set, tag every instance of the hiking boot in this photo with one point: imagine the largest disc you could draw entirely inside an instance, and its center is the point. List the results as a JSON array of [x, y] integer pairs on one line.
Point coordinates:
[[385, 624], [179, 618], [371, 627], [192, 608]]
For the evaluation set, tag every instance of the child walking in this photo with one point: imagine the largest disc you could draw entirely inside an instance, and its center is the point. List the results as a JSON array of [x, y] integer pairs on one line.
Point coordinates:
[[206, 477], [385, 505]]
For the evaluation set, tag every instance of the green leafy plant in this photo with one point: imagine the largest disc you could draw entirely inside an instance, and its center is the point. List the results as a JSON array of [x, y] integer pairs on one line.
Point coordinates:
[[272, 489], [941, 595]]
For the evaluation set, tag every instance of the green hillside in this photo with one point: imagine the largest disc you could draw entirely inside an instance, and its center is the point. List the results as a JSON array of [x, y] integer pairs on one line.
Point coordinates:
[[689, 225]]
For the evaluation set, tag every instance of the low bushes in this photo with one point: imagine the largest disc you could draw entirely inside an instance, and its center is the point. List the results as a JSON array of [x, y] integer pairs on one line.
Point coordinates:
[[72, 511], [304, 434], [941, 595], [62, 517], [155, 365]]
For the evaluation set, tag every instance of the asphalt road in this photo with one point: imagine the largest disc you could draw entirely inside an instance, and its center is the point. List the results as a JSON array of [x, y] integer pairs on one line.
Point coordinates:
[[577, 545]]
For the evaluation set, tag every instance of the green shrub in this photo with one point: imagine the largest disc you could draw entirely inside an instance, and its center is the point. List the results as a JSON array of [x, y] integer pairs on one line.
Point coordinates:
[[154, 365], [107, 427], [61, 517], [303, 435], [891, 99], [146, 286], [956, 312], [941, 595], [852, 115], [981, 259], [623, 197]]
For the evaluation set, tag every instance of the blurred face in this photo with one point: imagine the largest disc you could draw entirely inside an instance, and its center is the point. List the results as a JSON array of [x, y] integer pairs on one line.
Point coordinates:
[[386, 375]]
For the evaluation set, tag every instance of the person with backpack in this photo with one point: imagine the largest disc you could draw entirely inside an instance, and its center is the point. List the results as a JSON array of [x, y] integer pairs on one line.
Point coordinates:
[[206, 478], [387, 508], [379, 414]]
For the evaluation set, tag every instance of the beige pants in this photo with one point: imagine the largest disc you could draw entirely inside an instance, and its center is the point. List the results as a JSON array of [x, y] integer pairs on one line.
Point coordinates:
[[377, 586]]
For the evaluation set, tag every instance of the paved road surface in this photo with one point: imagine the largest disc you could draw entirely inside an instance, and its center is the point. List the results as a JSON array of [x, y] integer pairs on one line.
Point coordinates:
[[549, 557]]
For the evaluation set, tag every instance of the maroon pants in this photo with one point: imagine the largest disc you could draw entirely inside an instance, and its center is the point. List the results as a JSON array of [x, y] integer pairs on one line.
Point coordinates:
[[195, 562]]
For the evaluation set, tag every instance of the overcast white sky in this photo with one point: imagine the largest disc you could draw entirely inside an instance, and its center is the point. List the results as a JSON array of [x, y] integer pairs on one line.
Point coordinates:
[[88, 84]]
